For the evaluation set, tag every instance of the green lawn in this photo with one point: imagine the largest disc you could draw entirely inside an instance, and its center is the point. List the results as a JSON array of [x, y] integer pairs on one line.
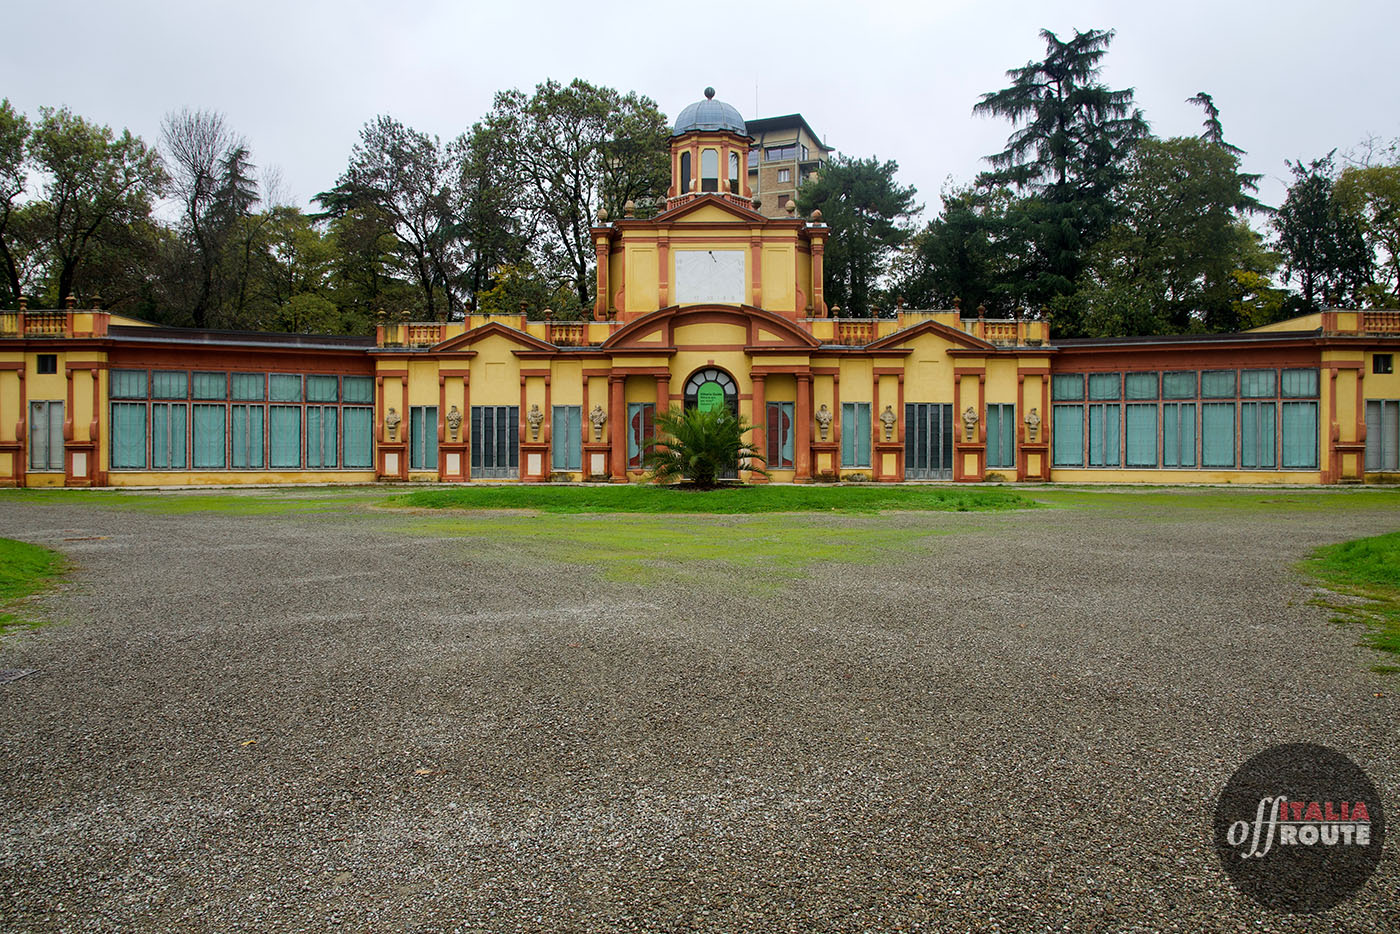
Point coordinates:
[[744, 554], [639, 498], [1368, 568], [24, 568]]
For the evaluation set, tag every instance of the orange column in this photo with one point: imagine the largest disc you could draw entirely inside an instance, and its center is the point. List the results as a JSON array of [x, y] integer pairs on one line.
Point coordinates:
[[379, 410], [617, 418], [663, 392], [68, 407], [760, 415], [756, 286], [803, 441], [600, 302], [467, 425]]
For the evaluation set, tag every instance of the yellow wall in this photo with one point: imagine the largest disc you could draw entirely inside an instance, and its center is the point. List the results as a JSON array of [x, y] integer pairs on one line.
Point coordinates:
[[1262, 477], [232, 477], [1382, 385]]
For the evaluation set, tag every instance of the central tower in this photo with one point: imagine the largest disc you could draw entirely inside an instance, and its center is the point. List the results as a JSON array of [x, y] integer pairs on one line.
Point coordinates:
[[709, 246], [709, 154]]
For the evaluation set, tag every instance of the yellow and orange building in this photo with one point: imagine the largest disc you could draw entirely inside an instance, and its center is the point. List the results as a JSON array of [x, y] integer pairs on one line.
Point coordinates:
[[708, 303]]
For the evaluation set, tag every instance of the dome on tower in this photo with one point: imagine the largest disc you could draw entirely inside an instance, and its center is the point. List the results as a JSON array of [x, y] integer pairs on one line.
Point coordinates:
[[710, 114]]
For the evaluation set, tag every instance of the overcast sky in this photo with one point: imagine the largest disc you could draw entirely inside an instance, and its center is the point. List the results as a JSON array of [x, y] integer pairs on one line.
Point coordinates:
[[894, 80]]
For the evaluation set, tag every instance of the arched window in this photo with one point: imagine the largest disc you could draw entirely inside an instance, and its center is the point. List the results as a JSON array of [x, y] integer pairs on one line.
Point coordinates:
[[710, 388], [733, 173], [685, 172], [709, 170]]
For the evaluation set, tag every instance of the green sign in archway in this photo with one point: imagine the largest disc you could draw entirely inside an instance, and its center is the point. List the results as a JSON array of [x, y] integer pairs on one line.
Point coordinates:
[[709, 396]]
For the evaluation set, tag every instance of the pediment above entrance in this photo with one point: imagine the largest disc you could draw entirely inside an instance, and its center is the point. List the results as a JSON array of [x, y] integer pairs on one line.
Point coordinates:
[[763, 329], [490, 329]]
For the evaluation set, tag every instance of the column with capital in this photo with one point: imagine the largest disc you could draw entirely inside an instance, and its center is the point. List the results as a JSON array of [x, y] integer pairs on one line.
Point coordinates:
[[760, 430], [818, 291], [803, 441], [600, 303], [663, 393], [617, 421]]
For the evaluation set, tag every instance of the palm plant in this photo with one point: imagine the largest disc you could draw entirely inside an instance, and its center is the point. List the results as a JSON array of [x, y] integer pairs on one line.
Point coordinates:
[[699, 446]]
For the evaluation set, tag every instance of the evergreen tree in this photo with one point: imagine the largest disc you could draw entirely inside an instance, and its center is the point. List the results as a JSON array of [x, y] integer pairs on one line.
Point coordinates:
[[1073, 139], [868, 213], [1214, 131], [407, 178], [14, 177], [1321, 241], [572, 149]]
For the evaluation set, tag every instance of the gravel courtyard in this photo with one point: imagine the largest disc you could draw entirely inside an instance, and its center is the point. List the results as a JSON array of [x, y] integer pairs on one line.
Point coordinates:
[[375, 719]]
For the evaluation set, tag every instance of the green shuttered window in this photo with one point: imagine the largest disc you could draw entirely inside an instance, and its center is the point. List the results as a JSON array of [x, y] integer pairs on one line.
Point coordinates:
[[1069, 435], [222, 431], [1067, 387], [129, 434], [322, 389], [247, 440], [1218, 434], [322, 436], [1257, 447], [1140, 424], [1179, 434], [855, 434], [284, 436], [1300, 435], [282, 387], [1218, 384], [1300, 384], [356, 429], [1140, 386], [423, 440], [210, 386], [1104, 386], [1249, 426], [1103, 436], [169, 385], [127, 384], [1001, 435], [566, 439], [358, 389], [640, 430], [167, 436], [1178, 385], [1258, 384], [248, 387], [209, 436], [1383, 435]]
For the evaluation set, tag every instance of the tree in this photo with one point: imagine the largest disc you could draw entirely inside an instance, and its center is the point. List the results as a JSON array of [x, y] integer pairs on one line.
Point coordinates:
[[212, 176], [514, 286], [1371, 194], [868, 213], [574, 148], [975, 252], [1167, 265], [1077, 131], [1321, 241], [1214, 131], [363, 262], [408, 178], [698, 445], [492, 212], [14, 136], [96, 185], [1069, 151]]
